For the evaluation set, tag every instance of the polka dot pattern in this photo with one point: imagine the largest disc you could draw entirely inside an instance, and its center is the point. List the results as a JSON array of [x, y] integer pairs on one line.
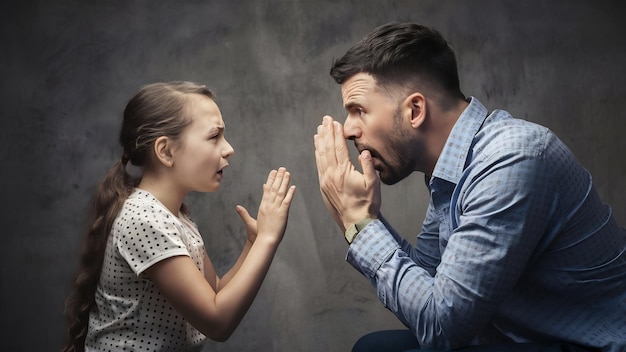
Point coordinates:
[[131, 314]]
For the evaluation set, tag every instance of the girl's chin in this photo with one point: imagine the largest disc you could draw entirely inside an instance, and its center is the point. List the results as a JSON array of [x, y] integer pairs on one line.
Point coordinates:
[[211, 188]]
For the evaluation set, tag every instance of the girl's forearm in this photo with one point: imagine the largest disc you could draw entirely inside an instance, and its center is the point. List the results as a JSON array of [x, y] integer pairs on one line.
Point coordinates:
[[236, 296], [225, 279]]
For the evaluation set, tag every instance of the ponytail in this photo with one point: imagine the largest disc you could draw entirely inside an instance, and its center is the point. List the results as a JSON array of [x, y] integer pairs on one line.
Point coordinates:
[[113, 190], [156, 110]]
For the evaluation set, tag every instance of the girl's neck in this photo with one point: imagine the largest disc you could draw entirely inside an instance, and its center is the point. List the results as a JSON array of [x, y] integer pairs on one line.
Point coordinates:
[[165, 192]]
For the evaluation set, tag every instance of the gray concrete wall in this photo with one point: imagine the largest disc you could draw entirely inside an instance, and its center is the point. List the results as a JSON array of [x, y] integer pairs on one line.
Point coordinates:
[[68, 68]]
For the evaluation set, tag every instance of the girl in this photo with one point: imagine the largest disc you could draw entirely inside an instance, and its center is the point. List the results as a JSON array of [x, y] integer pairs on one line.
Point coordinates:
[[145, 282]]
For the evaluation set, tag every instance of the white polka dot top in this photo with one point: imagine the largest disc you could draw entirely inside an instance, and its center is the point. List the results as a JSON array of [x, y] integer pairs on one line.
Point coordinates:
[[131, 314]]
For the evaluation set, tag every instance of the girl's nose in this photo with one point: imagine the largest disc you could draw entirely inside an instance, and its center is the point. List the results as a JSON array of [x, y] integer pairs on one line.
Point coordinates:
[[228, 150]]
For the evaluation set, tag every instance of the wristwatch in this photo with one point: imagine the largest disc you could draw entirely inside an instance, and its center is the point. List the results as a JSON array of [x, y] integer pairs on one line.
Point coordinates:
[[354, 229]]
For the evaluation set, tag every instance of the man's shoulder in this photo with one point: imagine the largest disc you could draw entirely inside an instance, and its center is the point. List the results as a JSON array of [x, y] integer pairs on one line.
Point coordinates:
[[503, 132]]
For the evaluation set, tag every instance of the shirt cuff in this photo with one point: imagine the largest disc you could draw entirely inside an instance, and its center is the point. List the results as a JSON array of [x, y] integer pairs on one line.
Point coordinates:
[[371, 248]]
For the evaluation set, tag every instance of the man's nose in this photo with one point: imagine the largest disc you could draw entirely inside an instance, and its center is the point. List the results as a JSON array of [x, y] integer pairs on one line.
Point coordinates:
[[351, 128]]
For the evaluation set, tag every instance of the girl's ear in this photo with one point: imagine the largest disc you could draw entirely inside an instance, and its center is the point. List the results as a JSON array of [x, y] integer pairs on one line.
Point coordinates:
[[416, 102], [163, 151]]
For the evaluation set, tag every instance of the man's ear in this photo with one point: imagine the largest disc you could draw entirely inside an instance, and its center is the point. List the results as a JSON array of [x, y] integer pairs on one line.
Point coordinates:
[[416, 103], [163, 151]]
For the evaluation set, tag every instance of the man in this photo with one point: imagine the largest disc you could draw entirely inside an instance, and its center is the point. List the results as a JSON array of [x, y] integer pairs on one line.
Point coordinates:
[[516, 249]]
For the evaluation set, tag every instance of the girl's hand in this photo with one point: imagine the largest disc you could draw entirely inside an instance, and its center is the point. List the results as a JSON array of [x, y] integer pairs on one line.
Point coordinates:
[[274, 208], [216, 306], [249, 221]]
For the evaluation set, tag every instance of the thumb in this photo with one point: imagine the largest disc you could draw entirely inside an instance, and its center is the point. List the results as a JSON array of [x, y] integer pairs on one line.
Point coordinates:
[[245, 216], [368, 168]]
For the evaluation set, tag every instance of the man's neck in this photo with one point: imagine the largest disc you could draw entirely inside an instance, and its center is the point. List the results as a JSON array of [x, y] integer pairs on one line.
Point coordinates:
[[442, 122]]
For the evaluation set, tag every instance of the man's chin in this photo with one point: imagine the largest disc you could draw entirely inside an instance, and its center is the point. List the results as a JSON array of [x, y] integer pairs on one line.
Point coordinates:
[[389, 182], [390, 178]]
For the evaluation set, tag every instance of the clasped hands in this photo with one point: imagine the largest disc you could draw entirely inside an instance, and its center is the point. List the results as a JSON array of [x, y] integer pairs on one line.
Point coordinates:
[[349, 195]]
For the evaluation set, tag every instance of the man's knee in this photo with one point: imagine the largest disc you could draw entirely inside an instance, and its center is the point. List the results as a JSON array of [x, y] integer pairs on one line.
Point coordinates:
[[386, 340]]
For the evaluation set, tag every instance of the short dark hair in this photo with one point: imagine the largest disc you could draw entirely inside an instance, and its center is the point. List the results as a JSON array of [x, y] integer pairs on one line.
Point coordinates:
[[405, 55]]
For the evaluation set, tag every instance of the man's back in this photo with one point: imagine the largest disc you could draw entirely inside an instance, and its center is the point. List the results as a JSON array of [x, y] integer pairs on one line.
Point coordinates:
[[570, 255]]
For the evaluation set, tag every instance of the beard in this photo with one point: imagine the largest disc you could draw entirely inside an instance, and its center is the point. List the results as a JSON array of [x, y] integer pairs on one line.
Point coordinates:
[[401, 154]]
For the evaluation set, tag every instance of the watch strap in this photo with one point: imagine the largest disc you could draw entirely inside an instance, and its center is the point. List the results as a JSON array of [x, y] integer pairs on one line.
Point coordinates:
[[353, 230]]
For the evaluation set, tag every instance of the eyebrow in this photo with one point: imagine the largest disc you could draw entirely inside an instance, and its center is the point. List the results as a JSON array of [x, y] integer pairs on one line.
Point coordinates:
[[216, 129], [351, 105]]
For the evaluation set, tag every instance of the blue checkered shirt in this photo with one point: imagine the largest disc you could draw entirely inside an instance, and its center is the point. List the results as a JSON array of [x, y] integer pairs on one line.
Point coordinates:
[[516, 246]]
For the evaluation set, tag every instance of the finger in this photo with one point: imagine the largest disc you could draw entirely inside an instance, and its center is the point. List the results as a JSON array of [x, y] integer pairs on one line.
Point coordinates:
[[278, 179], [367, 165], [270, 177], [328, 140], [318, 141], [267, 186], [282, 189], [247, 219], [318, 158], [274, 187], [341, 147], [289, 196]]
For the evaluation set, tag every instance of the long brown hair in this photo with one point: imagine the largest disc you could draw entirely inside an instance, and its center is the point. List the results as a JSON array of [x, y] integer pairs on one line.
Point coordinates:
[[156, 110]]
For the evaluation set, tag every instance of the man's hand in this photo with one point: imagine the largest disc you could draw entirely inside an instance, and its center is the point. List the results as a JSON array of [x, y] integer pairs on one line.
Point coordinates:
[[349, 195]]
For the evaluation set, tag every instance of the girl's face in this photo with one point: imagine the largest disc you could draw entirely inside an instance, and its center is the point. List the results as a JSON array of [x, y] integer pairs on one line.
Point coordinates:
[[200, 159]]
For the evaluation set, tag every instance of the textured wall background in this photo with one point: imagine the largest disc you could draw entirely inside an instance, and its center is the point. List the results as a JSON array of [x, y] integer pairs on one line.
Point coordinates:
[[68, 68]]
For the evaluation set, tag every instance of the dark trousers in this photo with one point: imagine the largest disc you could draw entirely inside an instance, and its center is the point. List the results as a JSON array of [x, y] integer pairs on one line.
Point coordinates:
[[404, 341]]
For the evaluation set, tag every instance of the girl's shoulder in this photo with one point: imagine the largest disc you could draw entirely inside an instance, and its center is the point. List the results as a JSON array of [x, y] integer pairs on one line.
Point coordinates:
[[142, 208]]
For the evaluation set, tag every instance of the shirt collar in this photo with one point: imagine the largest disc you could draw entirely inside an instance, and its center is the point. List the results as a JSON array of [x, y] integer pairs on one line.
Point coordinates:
[[452, 160]]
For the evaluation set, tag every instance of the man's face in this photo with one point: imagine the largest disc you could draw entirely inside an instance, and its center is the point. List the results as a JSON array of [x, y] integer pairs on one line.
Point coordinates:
[[375, 123]]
